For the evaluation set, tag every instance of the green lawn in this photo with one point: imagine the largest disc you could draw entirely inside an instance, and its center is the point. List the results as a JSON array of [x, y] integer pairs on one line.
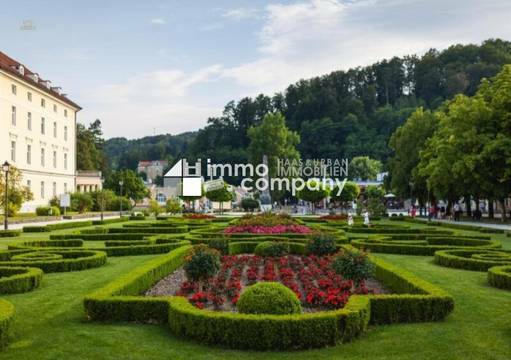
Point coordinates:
[[50, 323]]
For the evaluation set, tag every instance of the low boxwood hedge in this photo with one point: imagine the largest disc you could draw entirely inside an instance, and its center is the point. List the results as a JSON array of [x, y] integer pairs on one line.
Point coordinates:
[[15, 280], [473, 259], [58, 226], [427, 247], [6, 320], [269, 332], [120, 300], [10, 233], [500, 276], [73, 260]]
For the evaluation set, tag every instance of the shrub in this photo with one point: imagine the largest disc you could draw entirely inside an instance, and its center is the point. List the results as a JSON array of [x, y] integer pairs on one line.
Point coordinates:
[[9, 233], [500, 276], [15, 280], [249, 204], [219, 244], [272, 248], [353, 265], [47, 211], [268, 298], [173, 206], [81, 202], [321, 244], [6, 319], [202, 264]]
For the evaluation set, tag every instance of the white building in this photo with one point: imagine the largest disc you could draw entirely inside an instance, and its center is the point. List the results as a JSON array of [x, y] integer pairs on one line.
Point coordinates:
[[37, 131]]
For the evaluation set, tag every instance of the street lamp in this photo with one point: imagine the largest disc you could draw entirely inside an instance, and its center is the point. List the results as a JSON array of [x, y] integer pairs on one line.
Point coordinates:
[[5, 167], [121, 183]]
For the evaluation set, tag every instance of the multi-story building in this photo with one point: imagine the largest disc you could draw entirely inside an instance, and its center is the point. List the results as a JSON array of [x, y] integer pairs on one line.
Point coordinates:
[[37, 131], [152, 168]]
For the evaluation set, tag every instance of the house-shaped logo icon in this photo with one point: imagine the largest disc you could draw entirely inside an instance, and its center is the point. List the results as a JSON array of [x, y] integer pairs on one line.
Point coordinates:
[[188, 176]]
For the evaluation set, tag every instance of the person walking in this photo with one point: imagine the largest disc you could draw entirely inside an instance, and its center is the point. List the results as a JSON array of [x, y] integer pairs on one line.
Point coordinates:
[[456, 209]]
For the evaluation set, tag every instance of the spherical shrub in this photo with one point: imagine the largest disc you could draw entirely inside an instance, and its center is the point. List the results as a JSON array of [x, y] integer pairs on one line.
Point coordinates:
[[272, 248], [321, 243], [353, 265], [268, 298], [202, 264]]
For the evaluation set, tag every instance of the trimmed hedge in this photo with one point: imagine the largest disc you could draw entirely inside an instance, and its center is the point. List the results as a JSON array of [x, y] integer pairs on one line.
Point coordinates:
[[416, 300], [6, 319], [9, 233], [269, 332], [427, 247], [58, 226], [459, 226], [15, 280], [110, 221], [464, 258], [120, 300], [500, 276], [149, 230], [73, 260]]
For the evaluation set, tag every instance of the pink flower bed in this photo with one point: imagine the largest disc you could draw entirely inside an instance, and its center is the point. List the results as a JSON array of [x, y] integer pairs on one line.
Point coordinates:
[[276, 229]]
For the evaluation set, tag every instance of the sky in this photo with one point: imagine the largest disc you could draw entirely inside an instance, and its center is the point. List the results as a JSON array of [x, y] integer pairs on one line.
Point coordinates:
[[155, 66]]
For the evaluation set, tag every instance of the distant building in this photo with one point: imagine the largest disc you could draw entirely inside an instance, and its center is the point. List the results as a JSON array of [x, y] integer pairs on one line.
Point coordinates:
[[37, 132], [152, 168], [88, 180]]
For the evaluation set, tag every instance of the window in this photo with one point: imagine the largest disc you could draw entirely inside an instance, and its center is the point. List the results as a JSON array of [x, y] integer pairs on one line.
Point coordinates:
[[65, 112], [29, 121], [13, 115], [54, 129], [65, 133], [13, 150], [29, 96], [42, 189], [65, 161], [43, 127], [54, 189], [42, 156], [43, 102], [29, 154], [14, 89], [54, 159], [29, 184], [65, 188], [54, 108]]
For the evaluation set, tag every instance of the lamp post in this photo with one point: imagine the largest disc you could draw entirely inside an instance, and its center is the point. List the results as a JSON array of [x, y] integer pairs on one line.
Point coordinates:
[[5, 167], [121, 183]]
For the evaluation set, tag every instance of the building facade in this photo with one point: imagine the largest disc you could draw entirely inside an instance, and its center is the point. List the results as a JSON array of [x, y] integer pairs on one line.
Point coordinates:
[[37, 132], [152, 168]]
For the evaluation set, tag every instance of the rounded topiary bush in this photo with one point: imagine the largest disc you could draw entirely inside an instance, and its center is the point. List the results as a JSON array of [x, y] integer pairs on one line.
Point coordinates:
[[321, 243], [268, 298], [272, 248]]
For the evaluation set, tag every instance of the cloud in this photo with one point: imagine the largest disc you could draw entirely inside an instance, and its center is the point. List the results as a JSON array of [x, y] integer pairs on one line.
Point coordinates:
[[241, 14], [158, 21]]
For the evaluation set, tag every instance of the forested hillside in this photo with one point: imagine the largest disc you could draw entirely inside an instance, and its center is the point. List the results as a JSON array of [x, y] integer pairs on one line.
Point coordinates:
[[342, 114]]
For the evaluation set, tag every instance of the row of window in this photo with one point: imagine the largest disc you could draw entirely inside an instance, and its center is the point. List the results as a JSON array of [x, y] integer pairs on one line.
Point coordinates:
[[43, 123], [14, 90], [43, 155], [42, 188]]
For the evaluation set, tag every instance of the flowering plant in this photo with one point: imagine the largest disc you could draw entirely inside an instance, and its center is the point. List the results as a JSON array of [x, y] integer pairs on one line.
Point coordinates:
[[275, 229]]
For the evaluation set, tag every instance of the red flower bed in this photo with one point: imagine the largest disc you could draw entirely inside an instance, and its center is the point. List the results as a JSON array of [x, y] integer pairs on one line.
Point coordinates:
[[276, 229], [310, 277], [198, 216]]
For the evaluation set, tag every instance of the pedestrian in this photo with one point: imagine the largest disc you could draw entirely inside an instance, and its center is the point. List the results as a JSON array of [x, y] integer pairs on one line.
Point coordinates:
[[456, 209], [350, 220], [366, 218], [413, 212]]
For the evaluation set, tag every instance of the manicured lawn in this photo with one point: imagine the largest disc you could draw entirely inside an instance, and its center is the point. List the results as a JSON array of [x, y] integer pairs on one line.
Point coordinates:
[[50, 323]]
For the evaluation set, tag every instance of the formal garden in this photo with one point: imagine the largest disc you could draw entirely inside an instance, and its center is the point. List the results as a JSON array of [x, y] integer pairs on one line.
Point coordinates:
[[256, 286]]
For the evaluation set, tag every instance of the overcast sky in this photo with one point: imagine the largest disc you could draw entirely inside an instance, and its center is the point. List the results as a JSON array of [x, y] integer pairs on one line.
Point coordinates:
[[165, 66]]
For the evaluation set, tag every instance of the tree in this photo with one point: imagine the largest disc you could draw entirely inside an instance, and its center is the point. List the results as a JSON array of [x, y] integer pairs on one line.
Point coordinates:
[[17, 193], [173, 206], [154, 207], [375, 200], [81, 202], [407, 142], [220, 195], [89, 144], [133, 186], [274, 139], [364, 168], [313, 192], [202, 264], [350, 192]]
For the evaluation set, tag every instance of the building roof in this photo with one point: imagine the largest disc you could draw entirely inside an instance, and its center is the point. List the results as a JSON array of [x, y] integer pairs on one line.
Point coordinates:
[[12, 67], [145, 163]]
